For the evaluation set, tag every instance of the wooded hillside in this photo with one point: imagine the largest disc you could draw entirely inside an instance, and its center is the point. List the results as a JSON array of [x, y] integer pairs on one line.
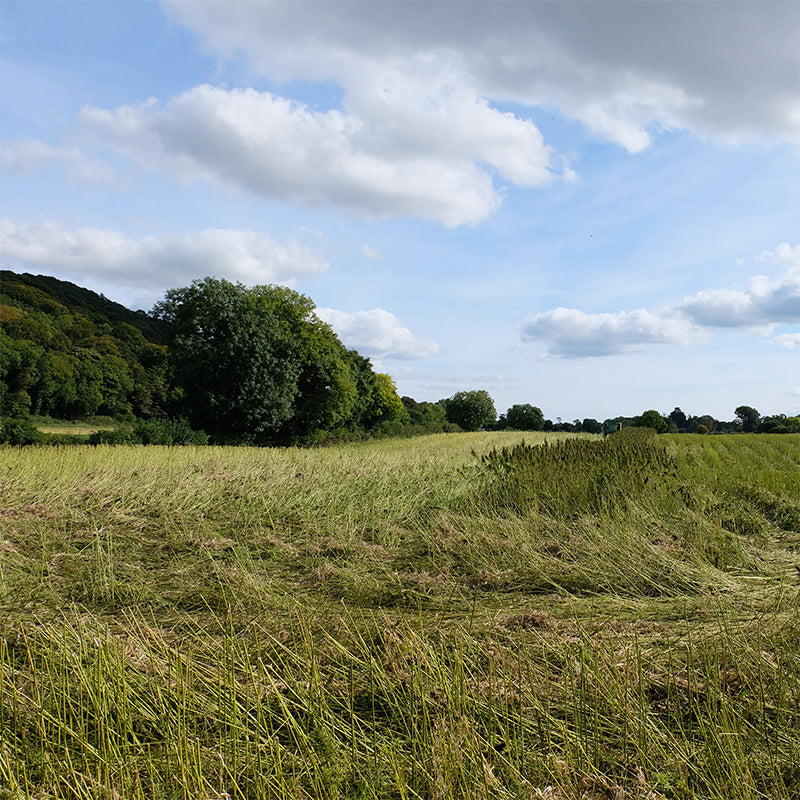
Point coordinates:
[[68, 352]]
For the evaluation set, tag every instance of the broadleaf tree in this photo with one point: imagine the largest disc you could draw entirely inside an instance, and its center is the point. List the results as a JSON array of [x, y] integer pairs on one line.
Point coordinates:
[[471, 410], [255, 364]]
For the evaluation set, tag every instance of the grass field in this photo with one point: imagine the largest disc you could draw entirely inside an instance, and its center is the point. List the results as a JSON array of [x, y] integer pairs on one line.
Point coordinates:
[[454, 616]]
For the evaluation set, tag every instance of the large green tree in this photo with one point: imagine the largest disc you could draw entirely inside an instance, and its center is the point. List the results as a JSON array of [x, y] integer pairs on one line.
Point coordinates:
[[256, 364], [471, 410], [749, 418], [525, 417], [652, 419]]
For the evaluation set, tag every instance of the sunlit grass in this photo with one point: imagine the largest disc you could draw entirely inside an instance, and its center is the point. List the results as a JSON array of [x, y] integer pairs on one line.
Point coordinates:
[[380, 620]]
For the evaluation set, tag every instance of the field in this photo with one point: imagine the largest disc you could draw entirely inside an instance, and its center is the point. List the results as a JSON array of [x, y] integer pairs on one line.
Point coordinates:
[[454, 616]]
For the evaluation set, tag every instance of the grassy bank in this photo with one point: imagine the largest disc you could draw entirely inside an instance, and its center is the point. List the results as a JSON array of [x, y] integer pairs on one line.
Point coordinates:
[[435, 617]]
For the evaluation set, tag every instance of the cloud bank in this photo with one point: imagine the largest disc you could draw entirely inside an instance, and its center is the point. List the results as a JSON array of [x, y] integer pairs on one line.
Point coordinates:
[[423, 127], [377, 334], [764, 304], [165, 261], [623, 69]]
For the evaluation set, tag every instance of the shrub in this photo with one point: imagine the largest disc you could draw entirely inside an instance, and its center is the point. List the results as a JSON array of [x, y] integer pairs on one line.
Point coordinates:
[[168, 432], [19, 431], [123, 435]]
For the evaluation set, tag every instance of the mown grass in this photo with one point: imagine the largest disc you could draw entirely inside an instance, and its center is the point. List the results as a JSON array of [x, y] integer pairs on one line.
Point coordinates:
[[439, 617]]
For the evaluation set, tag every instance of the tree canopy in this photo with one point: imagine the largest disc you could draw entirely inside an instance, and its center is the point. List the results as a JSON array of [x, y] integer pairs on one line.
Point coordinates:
[[652, 419], [257, 365], [471, 410], [749, 418], [68, 352], [525, 417]]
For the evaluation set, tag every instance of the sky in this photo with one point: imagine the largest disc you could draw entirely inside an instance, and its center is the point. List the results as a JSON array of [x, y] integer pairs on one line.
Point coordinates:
[[589, 206]]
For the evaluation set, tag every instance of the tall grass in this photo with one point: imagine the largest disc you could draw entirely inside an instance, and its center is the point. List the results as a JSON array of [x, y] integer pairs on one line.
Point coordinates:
[[451, 617]]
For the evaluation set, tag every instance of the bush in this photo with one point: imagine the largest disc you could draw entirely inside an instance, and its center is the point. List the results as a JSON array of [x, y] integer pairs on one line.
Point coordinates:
[[123, 435], [19, 431], [152, 431], [168, 432]]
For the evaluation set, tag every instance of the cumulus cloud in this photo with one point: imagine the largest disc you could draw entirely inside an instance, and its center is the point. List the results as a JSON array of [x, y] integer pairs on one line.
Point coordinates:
[[789, 340], [623, 69], [420, 130], [378, 334], [766, 302], [572, 333], [164, 261], [429, 163]]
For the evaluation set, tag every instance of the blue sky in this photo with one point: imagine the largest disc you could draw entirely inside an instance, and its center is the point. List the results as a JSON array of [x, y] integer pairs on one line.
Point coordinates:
[[593, 207]]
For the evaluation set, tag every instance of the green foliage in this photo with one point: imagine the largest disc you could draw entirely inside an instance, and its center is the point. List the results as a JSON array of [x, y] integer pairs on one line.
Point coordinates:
[[425, 415], [590, 425], [471, 410], [749, 417], [17, 431], [652, 419], [233, 357], [256, 365], [574, 477], [69, 353], [779, 423], [168, 432], [525, 417], [387, 403]]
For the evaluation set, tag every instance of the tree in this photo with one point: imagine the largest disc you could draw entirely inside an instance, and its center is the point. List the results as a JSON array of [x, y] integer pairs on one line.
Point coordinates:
[[706, 420], [255, 364], [471, 410], [652, 419], [590, 425], [386, 403], [749, 418], [678, 418], [524, 417], [425, 414]]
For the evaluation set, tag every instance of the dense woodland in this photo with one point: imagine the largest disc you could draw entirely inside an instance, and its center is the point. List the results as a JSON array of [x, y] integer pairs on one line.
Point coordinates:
[[241, 365]]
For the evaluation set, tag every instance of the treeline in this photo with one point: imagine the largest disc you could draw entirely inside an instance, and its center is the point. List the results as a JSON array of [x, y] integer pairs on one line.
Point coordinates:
[[242, 365], [223, 363], [474, 410]]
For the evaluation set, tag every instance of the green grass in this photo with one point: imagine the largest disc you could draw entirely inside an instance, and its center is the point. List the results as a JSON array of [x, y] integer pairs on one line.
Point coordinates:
[[455, 616]]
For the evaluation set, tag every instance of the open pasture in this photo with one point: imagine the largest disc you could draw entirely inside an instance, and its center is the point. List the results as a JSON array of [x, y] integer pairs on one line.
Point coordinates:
[[455, 616]]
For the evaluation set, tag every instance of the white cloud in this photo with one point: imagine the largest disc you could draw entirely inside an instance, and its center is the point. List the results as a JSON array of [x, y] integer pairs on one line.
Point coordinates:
[[727, 69], [154, 261], [789, 340], [572, 333], [371, 253], [764, 304], [429, 163], [29, 155], [377, 333]]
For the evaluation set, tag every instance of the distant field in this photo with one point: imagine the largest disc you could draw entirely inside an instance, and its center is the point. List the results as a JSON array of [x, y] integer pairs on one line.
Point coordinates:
[[61, 427], [453, 616], [75, 430]]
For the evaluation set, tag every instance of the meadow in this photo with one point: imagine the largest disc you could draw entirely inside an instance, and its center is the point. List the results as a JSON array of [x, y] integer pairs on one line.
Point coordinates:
[[488, 615]]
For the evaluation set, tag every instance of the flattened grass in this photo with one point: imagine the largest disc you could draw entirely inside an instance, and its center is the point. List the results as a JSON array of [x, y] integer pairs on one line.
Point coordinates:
[[402, 619]]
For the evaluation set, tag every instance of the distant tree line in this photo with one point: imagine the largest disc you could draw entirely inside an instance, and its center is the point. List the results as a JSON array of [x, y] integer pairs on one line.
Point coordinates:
[[475, 410], [218, 361], [244, 365]]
